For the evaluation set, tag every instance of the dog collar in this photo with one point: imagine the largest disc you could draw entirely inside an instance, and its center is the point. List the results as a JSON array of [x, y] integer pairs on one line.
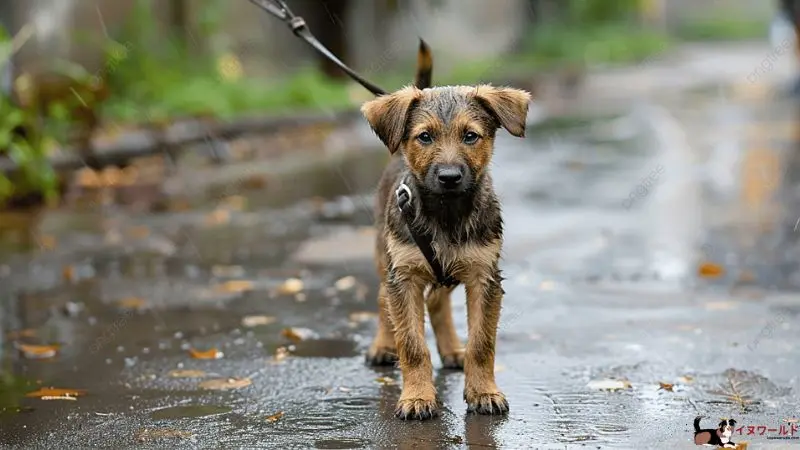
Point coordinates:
[[424, 241]]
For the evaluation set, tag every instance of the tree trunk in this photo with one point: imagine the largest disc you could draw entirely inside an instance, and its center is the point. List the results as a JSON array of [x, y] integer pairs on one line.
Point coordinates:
[[332, 32]]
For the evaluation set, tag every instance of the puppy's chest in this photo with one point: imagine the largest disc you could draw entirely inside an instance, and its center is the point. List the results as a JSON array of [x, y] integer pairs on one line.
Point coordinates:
[[461, 261]]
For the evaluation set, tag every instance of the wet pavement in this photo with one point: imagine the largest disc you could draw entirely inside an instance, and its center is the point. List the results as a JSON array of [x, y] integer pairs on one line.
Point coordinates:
[[244, 325]]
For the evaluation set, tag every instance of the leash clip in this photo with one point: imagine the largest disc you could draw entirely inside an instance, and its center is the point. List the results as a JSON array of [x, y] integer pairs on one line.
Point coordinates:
[[403, 188]]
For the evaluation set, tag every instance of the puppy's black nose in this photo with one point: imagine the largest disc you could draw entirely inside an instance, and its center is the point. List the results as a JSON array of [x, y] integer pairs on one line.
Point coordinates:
[[449, 177]]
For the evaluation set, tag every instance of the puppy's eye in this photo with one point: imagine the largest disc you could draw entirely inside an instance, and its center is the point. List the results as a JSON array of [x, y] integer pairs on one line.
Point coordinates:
[[425, 138], [471, 137]]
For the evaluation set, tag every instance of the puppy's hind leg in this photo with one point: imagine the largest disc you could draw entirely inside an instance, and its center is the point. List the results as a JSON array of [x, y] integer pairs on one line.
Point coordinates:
[[383, 351], [451, 351]]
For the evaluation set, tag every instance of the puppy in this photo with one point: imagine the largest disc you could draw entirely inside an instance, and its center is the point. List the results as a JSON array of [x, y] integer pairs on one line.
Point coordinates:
[[439, 225], [720, 437]]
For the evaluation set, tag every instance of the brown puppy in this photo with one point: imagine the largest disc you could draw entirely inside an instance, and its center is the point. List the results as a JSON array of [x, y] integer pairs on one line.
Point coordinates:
[[442, 140]]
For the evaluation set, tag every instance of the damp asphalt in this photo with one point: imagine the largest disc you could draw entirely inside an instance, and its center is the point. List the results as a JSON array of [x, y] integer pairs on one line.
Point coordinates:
[[652, 270]]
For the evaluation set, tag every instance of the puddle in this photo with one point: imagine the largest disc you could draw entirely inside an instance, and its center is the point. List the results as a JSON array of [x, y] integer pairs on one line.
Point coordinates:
[[341, 443], [354, 402], [316, 422], [189, 412], [326, 348]]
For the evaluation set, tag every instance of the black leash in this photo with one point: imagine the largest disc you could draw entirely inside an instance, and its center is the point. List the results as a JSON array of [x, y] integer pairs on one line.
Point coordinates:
[[423, 240], [279, 9]]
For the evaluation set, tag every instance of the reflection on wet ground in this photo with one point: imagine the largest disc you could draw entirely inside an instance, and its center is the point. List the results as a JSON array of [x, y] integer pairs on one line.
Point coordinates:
[[243, 325]]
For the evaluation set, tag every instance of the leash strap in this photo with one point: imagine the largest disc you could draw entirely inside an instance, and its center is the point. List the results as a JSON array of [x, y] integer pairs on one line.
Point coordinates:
[[423, 240], [279, 9]]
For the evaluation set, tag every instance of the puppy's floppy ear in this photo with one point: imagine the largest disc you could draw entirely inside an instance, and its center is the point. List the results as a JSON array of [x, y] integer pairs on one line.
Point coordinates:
[[508, 105], [388, 114], [732, 423]]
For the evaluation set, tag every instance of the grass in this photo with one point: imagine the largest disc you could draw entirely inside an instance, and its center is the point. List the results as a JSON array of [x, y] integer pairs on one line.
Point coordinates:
[[724, 29]]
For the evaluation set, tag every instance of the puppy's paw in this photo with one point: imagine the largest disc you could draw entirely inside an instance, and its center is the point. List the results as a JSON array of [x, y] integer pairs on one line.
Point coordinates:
[[454, 361], [493, 403], [381, 356], [416, 409]]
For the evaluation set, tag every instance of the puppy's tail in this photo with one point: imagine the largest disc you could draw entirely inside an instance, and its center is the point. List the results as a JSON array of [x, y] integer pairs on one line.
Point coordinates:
[[697, 423], [424, 66]]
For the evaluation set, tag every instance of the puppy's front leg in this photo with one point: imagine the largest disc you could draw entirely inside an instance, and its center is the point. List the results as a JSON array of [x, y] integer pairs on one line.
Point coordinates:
[[407, 309], [484, 295]]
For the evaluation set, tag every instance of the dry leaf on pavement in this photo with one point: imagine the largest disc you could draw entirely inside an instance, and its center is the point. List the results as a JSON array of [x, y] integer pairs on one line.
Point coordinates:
[[275, 417], [254, 321], [665, 386], [224, 384], [207, 354], [345, 283], [38, 351], [235, 286], [55, 392], [187, 374], [297, 334], [385, 380], [609, 385], [710, 270], [291, 286]]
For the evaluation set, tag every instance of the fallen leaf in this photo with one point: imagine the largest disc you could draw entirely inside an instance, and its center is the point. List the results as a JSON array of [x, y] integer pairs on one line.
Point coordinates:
[[56, 392], [710, 270], [297, 334], [234, 202], [720, 306], [187, 374], [132, 303], [235, 286], [281, 353], [665, 386], [223, 384], [345, 283], [275, 417], [218, 217], [149, 435], [139, 232], [38, 351], [68, 273], [58, 397], [291, 286], [385, 380], [686, 379], [47, 242], [227, 271], [609, 385], [362, 316], [254, 321], [208, 354], [26, 333]]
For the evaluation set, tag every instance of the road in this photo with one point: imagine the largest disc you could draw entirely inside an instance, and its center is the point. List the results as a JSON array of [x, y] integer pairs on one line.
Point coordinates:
[[610, 337]]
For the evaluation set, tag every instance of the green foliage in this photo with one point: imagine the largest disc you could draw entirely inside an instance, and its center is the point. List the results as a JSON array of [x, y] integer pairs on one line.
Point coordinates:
[[724, 28], [587, 12], [35, 174]]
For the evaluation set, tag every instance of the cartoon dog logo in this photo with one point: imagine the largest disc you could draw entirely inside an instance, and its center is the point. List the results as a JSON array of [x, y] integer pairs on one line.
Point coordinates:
[[721, 436]]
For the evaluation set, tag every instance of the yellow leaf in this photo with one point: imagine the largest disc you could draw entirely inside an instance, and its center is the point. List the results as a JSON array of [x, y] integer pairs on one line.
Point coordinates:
[[187, 374], [710, 270], [38, 351], [254, 321], [208, 354], [665, 386], [235, 286], [385, 380], [275, 417], [56, 392], [345, 283], [291, 286], [224, 384], [297, 334]]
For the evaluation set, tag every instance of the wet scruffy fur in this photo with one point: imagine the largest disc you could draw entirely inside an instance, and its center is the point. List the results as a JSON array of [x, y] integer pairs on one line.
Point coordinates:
[[442, 140]]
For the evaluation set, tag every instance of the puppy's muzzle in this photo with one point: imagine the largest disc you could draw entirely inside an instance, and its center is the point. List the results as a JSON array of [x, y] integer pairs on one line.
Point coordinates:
[[449, 178]]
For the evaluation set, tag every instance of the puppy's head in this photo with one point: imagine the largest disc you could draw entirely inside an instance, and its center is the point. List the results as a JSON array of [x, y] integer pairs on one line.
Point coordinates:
[[726, 427], [446, 134]]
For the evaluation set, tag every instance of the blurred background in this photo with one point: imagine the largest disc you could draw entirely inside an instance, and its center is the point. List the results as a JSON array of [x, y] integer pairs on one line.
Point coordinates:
[[186, 220]]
